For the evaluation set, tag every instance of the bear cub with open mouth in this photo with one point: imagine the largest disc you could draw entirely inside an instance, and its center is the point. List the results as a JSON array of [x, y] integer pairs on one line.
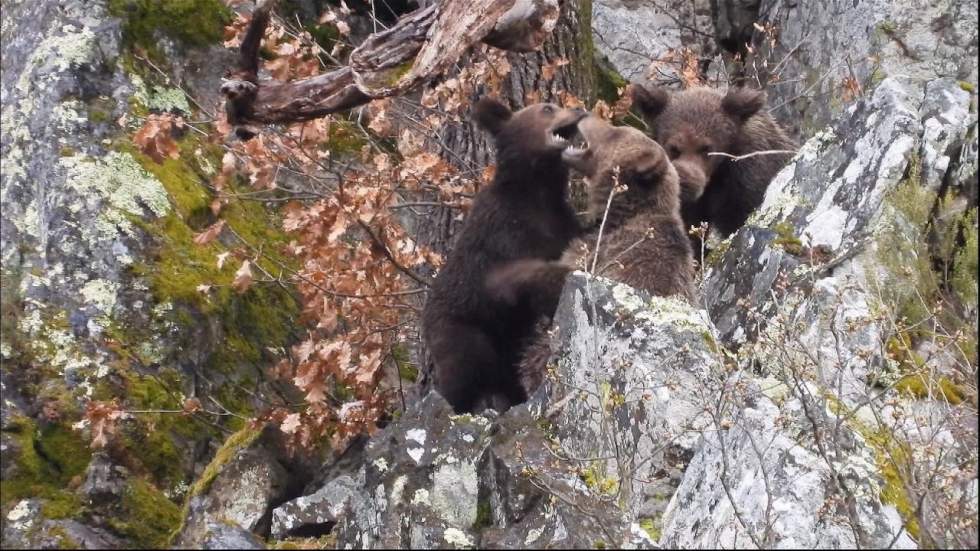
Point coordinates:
[[475, 340]]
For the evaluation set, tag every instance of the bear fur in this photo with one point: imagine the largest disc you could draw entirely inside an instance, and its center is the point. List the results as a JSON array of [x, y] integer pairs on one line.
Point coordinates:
[[476, 341], [695, 122], [644, 243]]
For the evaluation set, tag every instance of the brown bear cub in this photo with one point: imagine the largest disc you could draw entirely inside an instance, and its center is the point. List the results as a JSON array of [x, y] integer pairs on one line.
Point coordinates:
[[476, 341], [695, 122], [643, 244]]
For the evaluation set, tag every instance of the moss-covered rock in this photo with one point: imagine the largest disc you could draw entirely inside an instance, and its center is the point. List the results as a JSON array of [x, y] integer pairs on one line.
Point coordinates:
[[146, 516], [194, 22]]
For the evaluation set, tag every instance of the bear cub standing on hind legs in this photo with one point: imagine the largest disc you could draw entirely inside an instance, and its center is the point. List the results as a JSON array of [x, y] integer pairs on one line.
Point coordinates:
[[476, 342], [695, 122], [643, 243]]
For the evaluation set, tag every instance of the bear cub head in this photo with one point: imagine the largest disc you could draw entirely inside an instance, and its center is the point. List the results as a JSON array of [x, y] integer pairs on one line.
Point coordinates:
[[537, 133], [625, 156], [695, 122]]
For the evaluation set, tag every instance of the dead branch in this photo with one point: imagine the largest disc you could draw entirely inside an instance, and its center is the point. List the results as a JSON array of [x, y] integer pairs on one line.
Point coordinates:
[[419, 48]]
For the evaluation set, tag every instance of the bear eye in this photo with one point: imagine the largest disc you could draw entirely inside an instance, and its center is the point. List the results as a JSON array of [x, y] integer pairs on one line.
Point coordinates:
[[548, 109], [673, 152]]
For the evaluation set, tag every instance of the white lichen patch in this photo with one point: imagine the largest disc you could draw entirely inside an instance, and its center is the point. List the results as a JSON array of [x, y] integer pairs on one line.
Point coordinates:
[[416, 454], [57, 54], [454, 489], [421, 497], [158, 98], [457, 538], [101, 294], [416, 435], [533, 535], [20, 512], [397, 488], [67, 116], [381, 464], [674, 312], [123, 185]]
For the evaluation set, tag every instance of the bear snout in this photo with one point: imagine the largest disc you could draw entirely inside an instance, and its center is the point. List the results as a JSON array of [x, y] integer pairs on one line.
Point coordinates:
[[692, 180]]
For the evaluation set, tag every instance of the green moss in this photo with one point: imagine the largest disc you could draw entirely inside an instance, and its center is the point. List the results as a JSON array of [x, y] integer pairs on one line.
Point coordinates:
[[250, 322], [651, 527], [64, 540], [43, 468], [965, 266], [146, 516], [194, 22], [786, 239], [65, 451], [238, 441], [61, 505], [344, 138], [715, 255], [484, 515], [595, 479], [406, 370], [890, 456], [328, 541], [920, 386], [969, 87], [886, 27], [607, 80], [710, 342]]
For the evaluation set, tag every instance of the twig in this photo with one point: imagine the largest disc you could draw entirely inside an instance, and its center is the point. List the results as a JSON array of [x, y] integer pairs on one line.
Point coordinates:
[[736, 158]]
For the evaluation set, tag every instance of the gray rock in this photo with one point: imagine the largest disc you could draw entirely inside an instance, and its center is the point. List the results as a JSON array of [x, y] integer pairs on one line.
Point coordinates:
[[438, 480], [24, 527], [824, 43], [105, 483], [865, 155], [764, 482], [642, 39], [220, 535], [242, 494], [626, 386]]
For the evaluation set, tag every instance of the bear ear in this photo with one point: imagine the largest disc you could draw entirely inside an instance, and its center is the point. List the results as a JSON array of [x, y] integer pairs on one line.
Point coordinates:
[[650, 101], [742, 103], [491, 114], [648, 172]]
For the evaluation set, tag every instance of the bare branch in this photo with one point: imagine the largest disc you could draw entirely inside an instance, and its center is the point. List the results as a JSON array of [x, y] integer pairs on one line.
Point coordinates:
[[419, 48], [737, 158]]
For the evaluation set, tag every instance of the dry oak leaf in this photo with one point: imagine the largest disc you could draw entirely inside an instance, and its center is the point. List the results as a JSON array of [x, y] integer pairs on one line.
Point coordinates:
[[290, 423], [102, 416], [243, 277], [191, 405], [154, 137], [210, 233]]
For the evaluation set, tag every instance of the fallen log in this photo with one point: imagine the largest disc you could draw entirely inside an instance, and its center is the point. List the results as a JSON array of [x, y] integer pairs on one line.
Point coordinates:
[[421, 46]]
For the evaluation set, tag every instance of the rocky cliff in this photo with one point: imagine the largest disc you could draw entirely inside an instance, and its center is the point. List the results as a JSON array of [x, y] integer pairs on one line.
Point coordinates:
[[821, 392]]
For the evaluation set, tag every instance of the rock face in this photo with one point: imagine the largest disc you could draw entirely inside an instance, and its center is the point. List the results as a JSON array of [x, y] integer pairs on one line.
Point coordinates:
[[812, 291], [440, 480], [826, 43], [99, 265], [249, 476], [626, 385], [642, 39], [763, 481]]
